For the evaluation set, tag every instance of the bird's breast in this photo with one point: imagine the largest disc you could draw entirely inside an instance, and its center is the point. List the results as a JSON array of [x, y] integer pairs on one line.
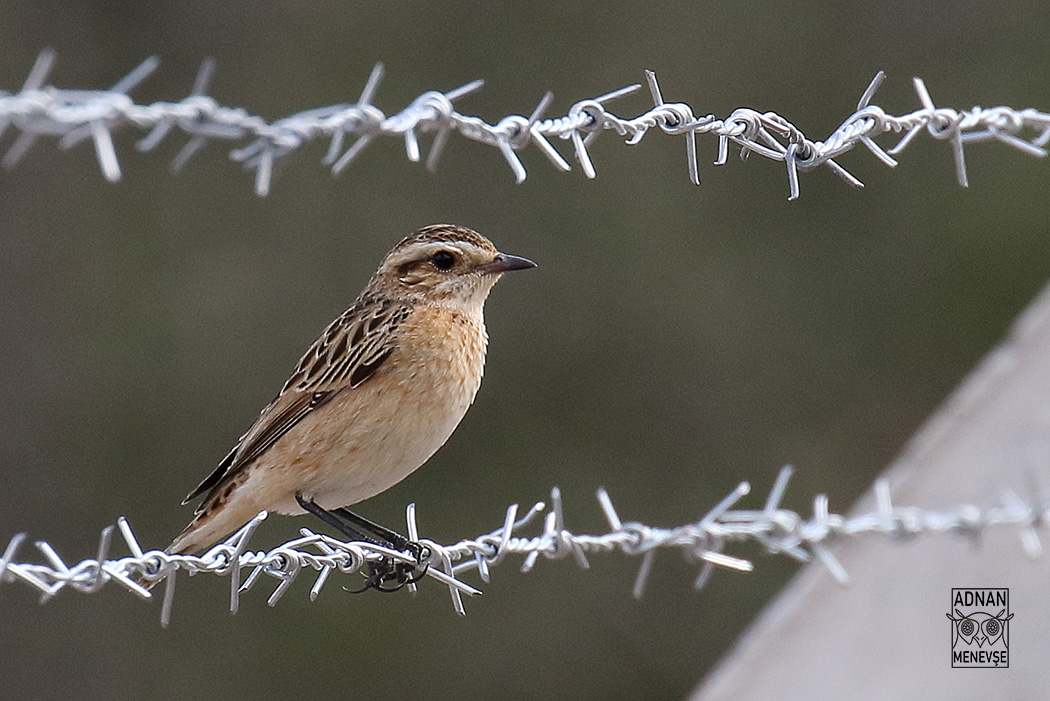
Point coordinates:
[[443, 349]]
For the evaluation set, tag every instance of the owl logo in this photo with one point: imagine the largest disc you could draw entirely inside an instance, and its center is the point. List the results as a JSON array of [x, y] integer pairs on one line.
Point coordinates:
[[980, 628]]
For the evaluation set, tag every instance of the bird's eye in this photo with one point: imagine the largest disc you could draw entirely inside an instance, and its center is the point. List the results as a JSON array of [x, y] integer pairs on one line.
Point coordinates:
[[443, 260]]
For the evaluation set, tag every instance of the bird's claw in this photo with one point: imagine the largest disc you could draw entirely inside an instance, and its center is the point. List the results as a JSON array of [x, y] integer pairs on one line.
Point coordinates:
[[388, 570]]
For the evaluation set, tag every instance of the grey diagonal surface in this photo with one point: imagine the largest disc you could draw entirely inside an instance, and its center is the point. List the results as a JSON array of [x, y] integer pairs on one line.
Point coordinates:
[[886, 635]]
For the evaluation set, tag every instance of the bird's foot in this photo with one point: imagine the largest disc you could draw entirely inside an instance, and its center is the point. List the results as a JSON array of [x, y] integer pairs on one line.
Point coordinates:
[[386, 570], [389, 575]]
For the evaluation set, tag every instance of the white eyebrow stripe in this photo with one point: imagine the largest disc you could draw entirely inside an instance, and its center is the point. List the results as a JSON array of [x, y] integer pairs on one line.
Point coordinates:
[[435, 246]]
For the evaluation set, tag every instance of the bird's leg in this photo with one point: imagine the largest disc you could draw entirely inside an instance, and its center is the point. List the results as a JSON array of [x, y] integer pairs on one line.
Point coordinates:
[[395, 539], [331, 519], [401, 572], [386, 570]]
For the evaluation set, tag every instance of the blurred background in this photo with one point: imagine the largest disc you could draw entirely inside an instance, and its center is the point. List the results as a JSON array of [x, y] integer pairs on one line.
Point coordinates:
[[674, 340]]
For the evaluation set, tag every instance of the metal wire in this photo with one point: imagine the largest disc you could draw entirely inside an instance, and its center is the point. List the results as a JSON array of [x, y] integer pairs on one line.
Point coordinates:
[[778, 530], [76, 115]]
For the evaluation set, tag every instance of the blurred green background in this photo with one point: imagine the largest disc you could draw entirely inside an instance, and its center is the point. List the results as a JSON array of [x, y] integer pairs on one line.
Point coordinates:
[[674, 341]]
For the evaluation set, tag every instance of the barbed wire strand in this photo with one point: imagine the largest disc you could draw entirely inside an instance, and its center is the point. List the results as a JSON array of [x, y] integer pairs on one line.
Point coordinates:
[[778, 530], [77, 115]]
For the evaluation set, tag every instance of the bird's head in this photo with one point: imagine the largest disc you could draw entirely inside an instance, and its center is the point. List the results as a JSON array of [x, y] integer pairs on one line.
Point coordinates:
[[444, 264]]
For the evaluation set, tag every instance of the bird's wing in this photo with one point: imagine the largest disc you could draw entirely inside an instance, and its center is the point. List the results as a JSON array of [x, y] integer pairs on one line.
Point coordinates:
[[346, 354]]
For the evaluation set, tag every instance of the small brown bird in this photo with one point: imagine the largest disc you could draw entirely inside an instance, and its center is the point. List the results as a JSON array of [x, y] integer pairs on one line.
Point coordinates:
[[373, 398]]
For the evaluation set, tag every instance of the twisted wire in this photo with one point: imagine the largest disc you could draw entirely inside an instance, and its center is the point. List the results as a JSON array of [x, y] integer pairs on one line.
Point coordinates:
[[778, 530], [77, 115]]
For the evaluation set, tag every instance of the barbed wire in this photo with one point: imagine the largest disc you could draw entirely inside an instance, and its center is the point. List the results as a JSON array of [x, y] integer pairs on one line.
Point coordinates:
[[777, 530], [76, 115]]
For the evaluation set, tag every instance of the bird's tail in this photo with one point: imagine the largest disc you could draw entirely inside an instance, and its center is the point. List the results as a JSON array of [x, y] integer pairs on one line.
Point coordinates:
[[175, 548], [209, 526]]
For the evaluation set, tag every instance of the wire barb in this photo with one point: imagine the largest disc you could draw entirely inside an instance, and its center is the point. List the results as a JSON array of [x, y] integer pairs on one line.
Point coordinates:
[[778, 530], [75, 115]]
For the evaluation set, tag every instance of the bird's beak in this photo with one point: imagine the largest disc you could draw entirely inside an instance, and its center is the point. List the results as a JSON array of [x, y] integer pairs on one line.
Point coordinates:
[[504, 262]]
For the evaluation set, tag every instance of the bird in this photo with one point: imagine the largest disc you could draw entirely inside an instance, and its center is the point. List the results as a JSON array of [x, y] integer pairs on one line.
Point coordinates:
[[372, 399]]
